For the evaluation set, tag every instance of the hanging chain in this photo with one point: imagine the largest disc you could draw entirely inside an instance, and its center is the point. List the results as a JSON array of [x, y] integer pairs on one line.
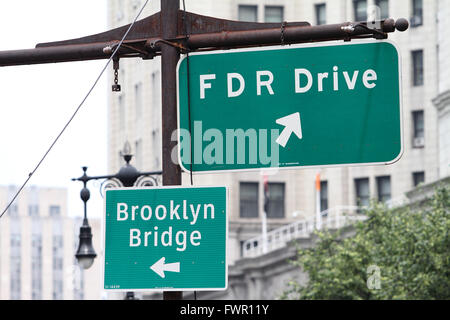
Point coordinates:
[[116, 76], [116, 85]]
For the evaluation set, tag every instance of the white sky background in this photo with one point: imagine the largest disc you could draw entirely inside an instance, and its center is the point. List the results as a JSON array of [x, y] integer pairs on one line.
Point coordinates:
[[36, 101]]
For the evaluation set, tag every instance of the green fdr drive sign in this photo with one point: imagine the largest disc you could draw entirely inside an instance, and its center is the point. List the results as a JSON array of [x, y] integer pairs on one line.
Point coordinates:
[[165, 238], [290, 106]]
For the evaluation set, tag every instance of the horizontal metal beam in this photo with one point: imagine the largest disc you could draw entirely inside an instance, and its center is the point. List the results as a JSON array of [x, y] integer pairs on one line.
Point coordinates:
[[86, 178], [291, 35], [63, 53], [147, 48], [52, 54]]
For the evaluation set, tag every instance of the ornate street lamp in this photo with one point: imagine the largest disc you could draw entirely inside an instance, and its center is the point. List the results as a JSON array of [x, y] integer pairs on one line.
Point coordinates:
[[85, 253], [128, 176]]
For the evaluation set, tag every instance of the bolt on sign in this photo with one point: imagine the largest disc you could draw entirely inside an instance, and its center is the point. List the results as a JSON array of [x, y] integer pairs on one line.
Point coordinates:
[[290, 106], [165, 238]]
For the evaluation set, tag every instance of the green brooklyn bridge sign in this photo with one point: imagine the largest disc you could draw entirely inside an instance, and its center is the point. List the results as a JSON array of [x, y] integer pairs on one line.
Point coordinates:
[[165, 238]]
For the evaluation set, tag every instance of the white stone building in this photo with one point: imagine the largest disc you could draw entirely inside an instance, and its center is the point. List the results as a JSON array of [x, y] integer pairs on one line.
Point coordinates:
[[134, 114], [442, 100], [38, 241]]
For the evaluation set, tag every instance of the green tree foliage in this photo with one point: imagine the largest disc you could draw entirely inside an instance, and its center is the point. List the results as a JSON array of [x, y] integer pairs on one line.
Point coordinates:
[[395, 254]]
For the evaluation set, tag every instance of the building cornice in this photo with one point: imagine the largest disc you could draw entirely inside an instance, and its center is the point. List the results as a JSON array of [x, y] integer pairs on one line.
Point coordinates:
[[425, 191]]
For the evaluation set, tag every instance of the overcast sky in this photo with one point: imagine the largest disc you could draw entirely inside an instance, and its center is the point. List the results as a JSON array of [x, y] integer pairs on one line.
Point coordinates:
[[36, 101]]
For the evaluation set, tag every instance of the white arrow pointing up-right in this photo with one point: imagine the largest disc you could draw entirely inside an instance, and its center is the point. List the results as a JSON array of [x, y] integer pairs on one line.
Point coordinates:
[[292, 124]]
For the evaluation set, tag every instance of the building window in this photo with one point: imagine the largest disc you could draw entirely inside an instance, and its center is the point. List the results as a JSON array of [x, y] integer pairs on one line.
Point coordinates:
[[418, 124], [36, 259], [55, 211], [15, 258], [362, 192], [136, 5], [156, 88], [78, 282], [360, 9], [384, 188], [139, 154], [417, 60], [33, 210], [156, 145], [383, 5], [248, 13], [248, 192], [138, 100], [321, 14], [15, 264], [323, 196], [13, 210], [78, 273], [241, 248], [275, 203], [417, 13], [418, 178], [418, 129], [273, 14], [120, 10], [57, 261], [121, 101]]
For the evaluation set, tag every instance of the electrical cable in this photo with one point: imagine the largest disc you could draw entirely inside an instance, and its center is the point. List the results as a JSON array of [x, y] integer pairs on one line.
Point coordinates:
[[75, 113]]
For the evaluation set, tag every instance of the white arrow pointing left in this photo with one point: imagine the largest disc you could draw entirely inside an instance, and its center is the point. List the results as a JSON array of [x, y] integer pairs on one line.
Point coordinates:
[[160, 266]]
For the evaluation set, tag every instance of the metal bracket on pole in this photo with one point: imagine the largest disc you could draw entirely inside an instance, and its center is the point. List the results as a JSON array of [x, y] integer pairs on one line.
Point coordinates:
[[174, 43]]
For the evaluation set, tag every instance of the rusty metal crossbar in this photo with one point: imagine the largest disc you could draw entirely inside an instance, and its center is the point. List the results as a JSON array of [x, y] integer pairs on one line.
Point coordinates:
[[205, 33]]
